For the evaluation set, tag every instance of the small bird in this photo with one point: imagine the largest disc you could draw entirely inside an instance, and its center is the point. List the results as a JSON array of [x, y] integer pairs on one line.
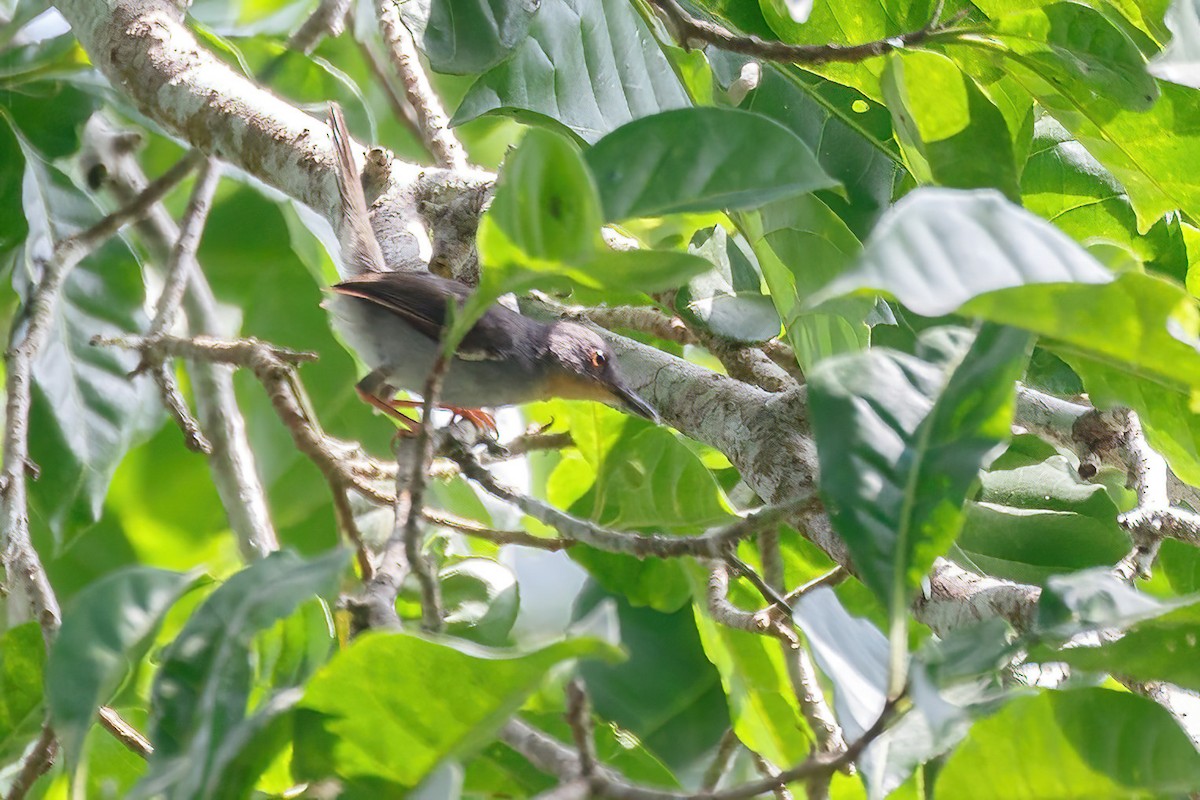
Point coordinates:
[[394, 320]]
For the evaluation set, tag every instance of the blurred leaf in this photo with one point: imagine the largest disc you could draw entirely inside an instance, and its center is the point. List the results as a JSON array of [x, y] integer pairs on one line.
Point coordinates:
[[389, 707], [694, 159], [938, 248], [480, 599], [902, 439], [86, 410], [1162, 648], [951, 131], [50, 115], [22, 671], [200, 727], [1092, 600], [1179, 62], [12, 174], [105, 632], [666, 693], [1065, 743], [589, 64], [464, 38]]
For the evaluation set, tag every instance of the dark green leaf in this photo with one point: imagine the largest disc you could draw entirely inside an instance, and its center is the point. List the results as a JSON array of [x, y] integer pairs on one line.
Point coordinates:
[[105, 632], [901, 441], [589, 64], [694, 159], [391, 706], [202, 689], [463, 38], [1163, 648], [1066, 745], [86, 410], [938, 248], [22, 667], [481, 599]]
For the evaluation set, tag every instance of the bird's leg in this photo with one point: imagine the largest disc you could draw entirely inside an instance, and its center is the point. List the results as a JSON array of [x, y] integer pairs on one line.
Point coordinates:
[[369, 390], [477, 417]]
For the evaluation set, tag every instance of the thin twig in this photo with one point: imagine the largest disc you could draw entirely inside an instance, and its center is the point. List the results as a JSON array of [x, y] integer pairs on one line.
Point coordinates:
[[474, 529], [712, 544], [35, 765], [722, 761], [410, 498], [445, 147], [400, 107], [125, 733], [689, 30], [579, 718], [727, 614], [180, 266]]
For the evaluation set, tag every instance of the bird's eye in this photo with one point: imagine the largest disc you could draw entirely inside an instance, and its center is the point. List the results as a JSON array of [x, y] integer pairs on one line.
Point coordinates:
[[598, 359]]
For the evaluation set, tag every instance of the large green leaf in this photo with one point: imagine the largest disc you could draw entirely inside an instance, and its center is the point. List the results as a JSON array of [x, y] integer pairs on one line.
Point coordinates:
[[901, 440], [463, 38], [666, 694], [388, 708], [938, 248], [591, 65], [105, 632], [1034, 518], [543, 229], [1144, 149], [1066, 745], [86, 411], [694, 159], [952, 133], [22, 668], [728, 299], [200, 694]]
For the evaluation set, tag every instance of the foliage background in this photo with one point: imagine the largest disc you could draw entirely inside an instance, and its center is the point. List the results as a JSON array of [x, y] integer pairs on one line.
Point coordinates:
[[951, 282]]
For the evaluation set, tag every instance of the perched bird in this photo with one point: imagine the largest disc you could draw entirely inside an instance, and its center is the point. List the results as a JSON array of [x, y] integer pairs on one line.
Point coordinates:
[[394, 321]]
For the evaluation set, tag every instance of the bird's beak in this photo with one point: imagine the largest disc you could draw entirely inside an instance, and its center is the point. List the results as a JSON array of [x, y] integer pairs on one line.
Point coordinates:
[[631, 402]]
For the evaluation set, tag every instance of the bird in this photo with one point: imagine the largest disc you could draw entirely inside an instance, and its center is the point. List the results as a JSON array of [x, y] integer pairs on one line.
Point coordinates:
[[395, 319]]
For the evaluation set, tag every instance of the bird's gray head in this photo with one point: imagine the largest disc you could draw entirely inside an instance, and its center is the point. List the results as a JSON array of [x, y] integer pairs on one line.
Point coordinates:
[[585, 368]]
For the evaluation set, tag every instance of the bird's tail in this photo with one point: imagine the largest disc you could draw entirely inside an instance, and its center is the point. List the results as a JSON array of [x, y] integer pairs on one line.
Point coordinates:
[[360, 249]]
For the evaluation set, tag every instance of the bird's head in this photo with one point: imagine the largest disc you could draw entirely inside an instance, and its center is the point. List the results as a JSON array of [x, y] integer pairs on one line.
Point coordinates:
[[585, 368]]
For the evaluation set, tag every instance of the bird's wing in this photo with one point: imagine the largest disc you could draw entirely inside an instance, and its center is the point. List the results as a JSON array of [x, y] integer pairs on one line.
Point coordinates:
[[360, 248], [420, 299]]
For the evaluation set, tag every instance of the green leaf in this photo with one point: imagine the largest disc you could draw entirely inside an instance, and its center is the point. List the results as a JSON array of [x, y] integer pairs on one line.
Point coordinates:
[[666, 693], [12, 173], [938, 248], [591, 65], [1163, 648], [1143, 149], [762, 703], [86, 411], [1065, 745], [801, 246], [391, 706], [464, 38], [694, 159], [901, 440], [952, 133], [543, 229], [22, 667], [1076, 48], [1092, 600], [201, 692], [1035, 519], [105, 632], [1179, 62], [481, 599], [727, 299]]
